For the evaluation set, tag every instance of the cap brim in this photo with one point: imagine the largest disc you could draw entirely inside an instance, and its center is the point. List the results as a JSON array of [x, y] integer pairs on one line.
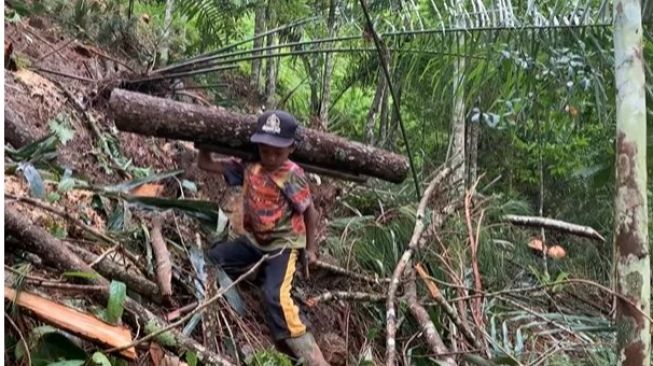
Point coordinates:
[[265, 139]]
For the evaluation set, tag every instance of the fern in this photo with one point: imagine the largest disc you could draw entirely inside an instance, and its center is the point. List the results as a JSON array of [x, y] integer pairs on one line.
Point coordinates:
[[215, 19]]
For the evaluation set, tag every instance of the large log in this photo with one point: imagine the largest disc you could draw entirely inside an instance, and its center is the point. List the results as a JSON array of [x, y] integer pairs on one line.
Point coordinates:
[[152, 116]]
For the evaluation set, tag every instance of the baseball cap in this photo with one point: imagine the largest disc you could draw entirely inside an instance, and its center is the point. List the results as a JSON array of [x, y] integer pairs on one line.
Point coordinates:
[[275, 128]]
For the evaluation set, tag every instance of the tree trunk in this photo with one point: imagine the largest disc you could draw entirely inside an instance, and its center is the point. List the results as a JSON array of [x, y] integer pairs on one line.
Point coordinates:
[[259, 27], [271, 84], [457, 152], [329, 62], [633, 271], [375, 108], [152, 116], [164, 49], [384, 119], [472, 151], [311, 71]]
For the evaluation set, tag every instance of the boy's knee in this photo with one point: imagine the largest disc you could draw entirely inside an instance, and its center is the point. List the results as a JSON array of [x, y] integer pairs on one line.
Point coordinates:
[[215, 255]]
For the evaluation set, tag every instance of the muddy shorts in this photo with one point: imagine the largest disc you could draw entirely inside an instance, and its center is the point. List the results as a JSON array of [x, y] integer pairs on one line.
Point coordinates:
[[282, 313]]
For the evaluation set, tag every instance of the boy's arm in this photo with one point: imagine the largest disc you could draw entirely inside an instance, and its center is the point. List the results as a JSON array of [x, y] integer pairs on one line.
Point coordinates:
[[206, 162], [310, 221]]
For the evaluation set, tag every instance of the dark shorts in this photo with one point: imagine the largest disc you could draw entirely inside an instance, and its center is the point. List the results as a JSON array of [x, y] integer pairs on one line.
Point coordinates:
[[283, 315]]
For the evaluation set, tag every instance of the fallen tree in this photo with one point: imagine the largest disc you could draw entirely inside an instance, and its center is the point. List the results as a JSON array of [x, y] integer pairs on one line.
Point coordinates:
[[152, 116]]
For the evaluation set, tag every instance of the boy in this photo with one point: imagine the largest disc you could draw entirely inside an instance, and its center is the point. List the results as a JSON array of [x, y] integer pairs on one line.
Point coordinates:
[[279, 218]]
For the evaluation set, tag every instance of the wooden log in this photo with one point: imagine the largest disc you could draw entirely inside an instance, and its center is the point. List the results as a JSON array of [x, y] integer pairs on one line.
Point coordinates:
[[251, 156], [553, 224], [74, 321], [16, 132], [152, 116]]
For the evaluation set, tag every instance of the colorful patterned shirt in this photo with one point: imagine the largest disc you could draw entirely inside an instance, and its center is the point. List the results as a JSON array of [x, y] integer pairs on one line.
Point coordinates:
[[273, 203]]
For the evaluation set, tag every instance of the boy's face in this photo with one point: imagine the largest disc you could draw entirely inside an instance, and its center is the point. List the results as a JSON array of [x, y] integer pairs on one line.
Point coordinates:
[[272, 157]]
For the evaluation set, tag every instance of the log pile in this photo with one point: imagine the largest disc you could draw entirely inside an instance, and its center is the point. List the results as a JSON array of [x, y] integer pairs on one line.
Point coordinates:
[[230, 131]]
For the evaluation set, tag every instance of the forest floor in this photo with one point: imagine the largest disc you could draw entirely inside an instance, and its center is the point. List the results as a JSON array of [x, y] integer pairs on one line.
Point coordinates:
[[41, 100]]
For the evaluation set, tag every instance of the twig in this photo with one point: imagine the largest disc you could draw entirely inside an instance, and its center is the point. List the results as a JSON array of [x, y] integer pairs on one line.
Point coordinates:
[[473, 244], [431, 335], [391, 318], [22, 338], [56, 50], [67, 286], [179, 312], [345, 295], [553, 224], [198, 309], [345, 272], [446, 306], [66, 75], [104, 55], [101, 257]]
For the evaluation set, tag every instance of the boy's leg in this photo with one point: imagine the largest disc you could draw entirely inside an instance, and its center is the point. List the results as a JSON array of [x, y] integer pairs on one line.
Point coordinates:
[[283, 315], [234, 256]]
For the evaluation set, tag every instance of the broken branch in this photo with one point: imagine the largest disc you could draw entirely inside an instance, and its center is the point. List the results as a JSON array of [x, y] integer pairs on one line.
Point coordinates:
[[162, 257], [553, 224]]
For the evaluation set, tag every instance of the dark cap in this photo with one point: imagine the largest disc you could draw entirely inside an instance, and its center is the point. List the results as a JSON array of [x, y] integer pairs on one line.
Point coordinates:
[[275, 128]]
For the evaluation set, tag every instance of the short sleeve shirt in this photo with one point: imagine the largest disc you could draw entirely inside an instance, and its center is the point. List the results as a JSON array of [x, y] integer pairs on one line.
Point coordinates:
[[273, 203]]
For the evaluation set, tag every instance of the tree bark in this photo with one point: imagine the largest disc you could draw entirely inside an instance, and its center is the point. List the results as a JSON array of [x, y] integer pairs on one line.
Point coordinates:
[[259, 27], [633, 268], [457, 152], [162, 257], [311, 71], [272, 40], [329, 62], [553, 224], [375, 108], [164, 50], [151, 116]]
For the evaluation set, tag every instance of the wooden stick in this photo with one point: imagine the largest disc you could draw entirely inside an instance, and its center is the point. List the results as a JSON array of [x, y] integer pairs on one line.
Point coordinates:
[[345, 272], [553, 224], [435, 293], [345, 295], [82, 324], [70, 76], [431, 335], [162, 257], [391, 318]]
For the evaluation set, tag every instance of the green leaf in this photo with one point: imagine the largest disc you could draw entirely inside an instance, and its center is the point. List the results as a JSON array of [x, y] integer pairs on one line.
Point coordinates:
[[67, 182], [41, 148], [190, 186], [53, 197], [60, 126], [36, 186], [101, 359], [117, 295], [191, 358], [82, 274], [68, 363], [58, 231]]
